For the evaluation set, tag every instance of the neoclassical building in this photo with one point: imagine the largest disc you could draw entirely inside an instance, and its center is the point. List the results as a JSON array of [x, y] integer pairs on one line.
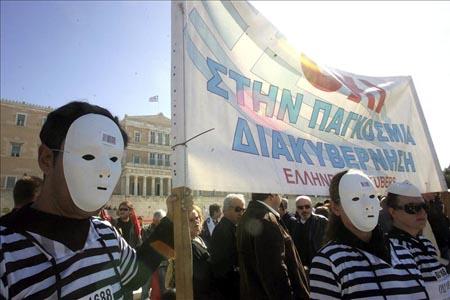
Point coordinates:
[[146, 163]]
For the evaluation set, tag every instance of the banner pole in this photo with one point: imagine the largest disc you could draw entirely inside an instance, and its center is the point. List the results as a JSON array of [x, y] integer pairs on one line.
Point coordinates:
[[182, 238], [183, 246]]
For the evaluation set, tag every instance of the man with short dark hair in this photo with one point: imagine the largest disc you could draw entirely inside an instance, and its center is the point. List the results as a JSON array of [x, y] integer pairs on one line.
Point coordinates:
[[309, 230], [26, 190], [210, 223], [287, 217], [269, 265], [57, 248], [222, 247]]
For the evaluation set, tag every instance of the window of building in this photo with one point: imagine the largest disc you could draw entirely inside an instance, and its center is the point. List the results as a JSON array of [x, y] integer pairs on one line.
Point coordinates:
[[160, 137], [152, 137], [167, 160], [137, 137], [160, 159], [21, 119], [15, 149], [167, 140], [10, 182], [136, 159], [152, 160]]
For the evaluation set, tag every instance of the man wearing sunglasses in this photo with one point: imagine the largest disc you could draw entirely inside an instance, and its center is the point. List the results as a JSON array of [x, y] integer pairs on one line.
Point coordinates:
[[409, 215], [309, 230], [222, 247]]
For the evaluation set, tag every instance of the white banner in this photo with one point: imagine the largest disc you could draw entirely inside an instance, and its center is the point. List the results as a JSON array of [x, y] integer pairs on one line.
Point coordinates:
[[282, 123]]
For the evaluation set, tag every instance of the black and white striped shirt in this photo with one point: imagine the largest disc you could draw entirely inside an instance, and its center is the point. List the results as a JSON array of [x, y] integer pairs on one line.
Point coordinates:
[[339, 271], [37, 267], [424, 253]]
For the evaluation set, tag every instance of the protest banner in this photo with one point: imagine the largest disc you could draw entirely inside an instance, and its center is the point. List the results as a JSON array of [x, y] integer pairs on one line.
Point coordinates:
[[279, 122]]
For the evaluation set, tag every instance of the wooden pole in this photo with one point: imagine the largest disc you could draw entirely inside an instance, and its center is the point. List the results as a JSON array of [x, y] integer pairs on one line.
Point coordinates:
[[183, 246]]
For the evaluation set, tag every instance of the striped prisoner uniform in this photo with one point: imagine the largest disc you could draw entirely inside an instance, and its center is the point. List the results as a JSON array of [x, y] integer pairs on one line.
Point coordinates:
[[339, 271], [36, 266], [425, 255]]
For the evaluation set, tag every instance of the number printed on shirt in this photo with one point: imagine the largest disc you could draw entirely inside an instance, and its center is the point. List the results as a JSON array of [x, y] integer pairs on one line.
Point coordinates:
[[102, 294]]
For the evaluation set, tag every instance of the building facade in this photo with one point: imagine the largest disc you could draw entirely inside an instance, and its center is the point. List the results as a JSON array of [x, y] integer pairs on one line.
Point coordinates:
[[146, 175], [20, 124], [146, 163]]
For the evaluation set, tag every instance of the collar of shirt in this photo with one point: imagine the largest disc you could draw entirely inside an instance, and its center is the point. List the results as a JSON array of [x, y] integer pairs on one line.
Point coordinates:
[[270, 208]]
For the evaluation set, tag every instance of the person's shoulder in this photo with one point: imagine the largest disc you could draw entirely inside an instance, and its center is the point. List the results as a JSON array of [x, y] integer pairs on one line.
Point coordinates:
[[268, 215], [320, 218], [7, 224], [17, 218], [205, 222], [103, 225], [334, 248], [8, 219], [223, 227], [424, 240], [400, 241], [427, 243], [401, 250]]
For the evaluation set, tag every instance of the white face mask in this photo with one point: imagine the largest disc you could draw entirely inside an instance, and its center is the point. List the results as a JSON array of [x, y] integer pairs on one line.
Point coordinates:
[[359, 200], [92, 157]]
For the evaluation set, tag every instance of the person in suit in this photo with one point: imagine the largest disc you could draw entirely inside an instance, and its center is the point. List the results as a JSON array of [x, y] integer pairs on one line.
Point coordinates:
[[269, 265], [210, 223], [308, 231], [222, 247], [287, 217]]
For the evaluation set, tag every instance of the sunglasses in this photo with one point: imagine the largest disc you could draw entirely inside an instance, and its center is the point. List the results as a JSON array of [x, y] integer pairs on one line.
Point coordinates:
[[239, 209], [413, 208], [303, 206], [124, 209]]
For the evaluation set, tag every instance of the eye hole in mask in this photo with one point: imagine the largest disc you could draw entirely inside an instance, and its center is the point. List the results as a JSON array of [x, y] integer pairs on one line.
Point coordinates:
[[372, 196], [113, 159], [88, 157], [355, 199]]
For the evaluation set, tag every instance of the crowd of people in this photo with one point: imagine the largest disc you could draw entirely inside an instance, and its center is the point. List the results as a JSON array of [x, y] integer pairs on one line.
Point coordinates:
[[60, 243]]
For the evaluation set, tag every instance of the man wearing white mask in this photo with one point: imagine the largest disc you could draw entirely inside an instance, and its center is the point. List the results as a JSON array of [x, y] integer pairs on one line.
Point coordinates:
[[358, 263], [55, 248], [409, 216]]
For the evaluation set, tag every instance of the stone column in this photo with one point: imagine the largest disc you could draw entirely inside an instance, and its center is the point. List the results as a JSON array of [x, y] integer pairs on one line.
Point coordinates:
[[136, 185], [144, 186], [153, 186], [127, 185], [169, 185]]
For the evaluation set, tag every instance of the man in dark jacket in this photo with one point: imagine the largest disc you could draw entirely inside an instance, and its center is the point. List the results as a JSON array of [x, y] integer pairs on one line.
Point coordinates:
[[287, 217], [210, 223], [269, 265], [222, 247], [309, 231]]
